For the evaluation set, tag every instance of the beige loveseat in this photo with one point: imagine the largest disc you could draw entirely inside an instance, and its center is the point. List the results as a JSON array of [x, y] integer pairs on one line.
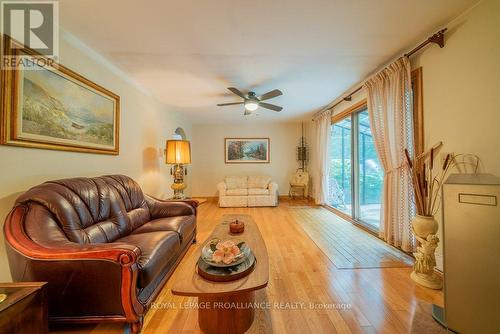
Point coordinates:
[[243, 191]]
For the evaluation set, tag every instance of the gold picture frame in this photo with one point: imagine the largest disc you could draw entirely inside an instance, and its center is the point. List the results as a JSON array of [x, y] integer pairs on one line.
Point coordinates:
[[247, 150], [53, 107]]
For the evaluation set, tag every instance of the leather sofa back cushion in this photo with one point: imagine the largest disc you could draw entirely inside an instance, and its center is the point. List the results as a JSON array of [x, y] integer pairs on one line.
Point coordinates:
[[258, 181], [90, 210], [236, 182], [132, 196]]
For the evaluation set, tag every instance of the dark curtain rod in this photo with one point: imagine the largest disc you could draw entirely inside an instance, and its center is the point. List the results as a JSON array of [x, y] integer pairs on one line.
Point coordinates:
[[437, 38]]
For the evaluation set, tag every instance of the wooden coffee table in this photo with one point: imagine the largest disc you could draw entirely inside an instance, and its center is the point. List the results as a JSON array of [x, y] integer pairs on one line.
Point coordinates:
[[222, 305]]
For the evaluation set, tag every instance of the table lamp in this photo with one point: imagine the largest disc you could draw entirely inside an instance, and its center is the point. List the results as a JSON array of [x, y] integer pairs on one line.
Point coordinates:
[[178, 153]]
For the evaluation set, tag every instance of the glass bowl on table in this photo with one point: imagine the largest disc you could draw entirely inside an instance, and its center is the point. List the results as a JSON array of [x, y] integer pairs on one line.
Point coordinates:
[[225, 253]]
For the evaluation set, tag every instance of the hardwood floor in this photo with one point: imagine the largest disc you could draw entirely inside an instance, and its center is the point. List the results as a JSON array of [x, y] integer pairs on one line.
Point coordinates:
[[307, 293], [346, 245]]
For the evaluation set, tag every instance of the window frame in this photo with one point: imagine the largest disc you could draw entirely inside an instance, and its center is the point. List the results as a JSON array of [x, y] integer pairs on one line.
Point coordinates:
[[418, 110]]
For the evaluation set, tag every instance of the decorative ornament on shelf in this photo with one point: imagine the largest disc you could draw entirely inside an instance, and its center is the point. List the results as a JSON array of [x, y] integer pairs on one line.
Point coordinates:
[[302, 152], [178, 153], [427, 194], [299, 183]]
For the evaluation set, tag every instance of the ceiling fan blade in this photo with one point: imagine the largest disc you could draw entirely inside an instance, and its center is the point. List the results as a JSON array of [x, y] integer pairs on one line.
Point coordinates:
[[270, 106], [229, 104], [270, 95], [237, 92]]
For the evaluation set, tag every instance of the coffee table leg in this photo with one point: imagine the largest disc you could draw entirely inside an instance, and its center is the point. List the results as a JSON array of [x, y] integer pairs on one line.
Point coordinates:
[[226, 314]]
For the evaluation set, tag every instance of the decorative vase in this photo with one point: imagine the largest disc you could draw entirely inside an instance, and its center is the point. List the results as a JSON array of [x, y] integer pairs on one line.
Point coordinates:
[[236, 226], [424, 225], [425, 229]]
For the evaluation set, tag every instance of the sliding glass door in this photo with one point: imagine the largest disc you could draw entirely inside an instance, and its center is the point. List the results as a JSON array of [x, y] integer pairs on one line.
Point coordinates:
[[370, 174], [356, 175], [340, 166]]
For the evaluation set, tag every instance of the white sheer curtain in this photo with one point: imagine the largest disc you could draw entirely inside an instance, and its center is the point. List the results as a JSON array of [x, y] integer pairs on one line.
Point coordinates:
[[390, 109], [322, 140]]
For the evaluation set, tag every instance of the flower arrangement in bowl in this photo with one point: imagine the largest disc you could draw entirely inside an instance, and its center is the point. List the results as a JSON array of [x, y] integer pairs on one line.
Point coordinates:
[[225, 253]]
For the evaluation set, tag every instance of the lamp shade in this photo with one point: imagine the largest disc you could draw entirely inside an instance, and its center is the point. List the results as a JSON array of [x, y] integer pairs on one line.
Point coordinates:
[[178, 152]]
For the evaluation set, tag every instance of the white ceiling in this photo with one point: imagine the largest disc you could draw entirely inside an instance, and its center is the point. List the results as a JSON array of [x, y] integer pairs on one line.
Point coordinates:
[[186, 52]]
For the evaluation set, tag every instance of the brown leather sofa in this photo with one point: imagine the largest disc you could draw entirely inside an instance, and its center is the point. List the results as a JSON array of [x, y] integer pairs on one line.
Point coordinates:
[[105, 248]]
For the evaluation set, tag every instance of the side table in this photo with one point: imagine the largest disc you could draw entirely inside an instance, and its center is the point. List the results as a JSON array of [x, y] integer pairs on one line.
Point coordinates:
[[24, 310], [198, 200]]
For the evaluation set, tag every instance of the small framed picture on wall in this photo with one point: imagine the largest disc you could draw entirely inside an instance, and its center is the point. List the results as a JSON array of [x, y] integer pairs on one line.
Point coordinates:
[[246, 150]]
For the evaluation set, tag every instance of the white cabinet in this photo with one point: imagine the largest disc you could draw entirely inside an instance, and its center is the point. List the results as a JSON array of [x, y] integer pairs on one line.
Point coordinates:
[[471, 222]]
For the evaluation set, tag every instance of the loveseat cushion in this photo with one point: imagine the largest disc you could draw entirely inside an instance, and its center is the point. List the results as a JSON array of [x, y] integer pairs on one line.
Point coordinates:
[[183, 225], [258, 191], [157, 250], [237, 192], [258, 181], [236, 182]]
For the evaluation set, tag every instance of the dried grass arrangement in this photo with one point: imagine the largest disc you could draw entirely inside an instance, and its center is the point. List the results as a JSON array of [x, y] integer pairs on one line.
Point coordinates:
[[426, 185]]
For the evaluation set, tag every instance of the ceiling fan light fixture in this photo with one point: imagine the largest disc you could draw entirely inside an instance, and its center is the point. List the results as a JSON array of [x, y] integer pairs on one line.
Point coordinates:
[[251, 105], [252, 102]]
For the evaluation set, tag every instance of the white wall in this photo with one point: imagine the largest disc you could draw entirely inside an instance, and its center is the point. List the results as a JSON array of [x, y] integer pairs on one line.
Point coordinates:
[[145, 124], [208, 166], [461, 86], [461, 89]]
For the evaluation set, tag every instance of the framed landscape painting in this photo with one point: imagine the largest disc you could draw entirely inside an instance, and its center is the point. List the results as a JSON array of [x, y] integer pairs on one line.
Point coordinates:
[[52, 107], [246, 150]]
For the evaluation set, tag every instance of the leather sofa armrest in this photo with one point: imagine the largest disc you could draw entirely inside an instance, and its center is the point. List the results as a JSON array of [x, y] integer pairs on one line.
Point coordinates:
[[76, 256], [162, 209], [121, 253], [273, 188], [221, 187]]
